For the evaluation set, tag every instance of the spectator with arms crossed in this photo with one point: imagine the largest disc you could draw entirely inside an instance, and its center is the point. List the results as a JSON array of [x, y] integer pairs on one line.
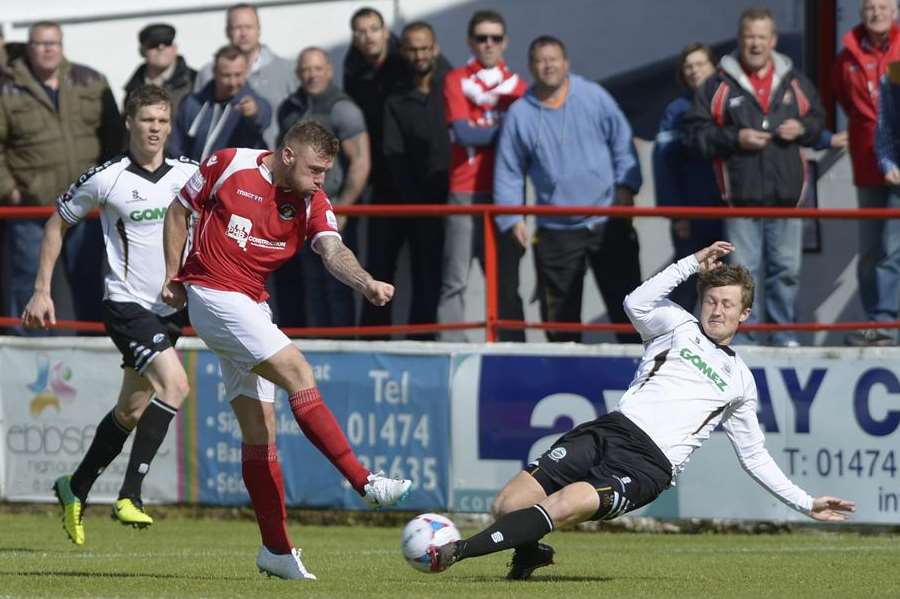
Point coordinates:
[[688, 382], [255, 209], [141, 325], [477, 95]]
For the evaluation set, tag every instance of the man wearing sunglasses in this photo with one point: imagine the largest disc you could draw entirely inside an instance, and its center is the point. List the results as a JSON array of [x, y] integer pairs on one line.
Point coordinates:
[[476, 96], [162, 65]]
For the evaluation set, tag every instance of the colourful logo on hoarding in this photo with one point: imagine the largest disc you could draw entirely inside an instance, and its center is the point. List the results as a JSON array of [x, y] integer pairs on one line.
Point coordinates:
[[50, 385]]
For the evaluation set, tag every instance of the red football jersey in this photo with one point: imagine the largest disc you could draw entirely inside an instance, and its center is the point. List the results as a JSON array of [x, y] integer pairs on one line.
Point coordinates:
[[469, 98], [246, 226]]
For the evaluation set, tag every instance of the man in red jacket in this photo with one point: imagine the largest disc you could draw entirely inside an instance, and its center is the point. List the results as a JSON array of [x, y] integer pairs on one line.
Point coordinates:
[[868, 49]]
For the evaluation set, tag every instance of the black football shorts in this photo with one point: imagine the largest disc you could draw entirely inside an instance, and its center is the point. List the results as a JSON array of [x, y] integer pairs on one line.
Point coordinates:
[[139, 333], [611, 453]]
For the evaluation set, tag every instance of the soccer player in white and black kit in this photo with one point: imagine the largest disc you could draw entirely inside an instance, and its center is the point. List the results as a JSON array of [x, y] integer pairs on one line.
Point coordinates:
[[255, 209], [688, 382], [132, 192]]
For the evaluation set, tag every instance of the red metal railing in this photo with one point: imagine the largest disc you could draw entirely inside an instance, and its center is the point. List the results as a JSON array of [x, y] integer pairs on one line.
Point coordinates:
[[487, 212]]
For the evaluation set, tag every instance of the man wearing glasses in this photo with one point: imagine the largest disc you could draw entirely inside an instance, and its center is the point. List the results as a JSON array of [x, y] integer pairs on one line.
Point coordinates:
[[476, 95], [57, 119], [162, 66]]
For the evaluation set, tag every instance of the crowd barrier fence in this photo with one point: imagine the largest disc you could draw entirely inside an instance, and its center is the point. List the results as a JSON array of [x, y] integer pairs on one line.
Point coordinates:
[[492, 323]]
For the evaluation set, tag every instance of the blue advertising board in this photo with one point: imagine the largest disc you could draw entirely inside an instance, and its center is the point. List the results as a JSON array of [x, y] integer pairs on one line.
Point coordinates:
[[519, 407], [523, 399], [394, 410]]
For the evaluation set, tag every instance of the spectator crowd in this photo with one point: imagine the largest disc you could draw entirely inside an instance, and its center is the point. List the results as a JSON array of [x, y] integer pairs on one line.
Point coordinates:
[[415, 129]]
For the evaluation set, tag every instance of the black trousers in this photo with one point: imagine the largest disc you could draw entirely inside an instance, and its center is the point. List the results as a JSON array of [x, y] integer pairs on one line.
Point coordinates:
[[386, 239], [561, 257], [509, 302]]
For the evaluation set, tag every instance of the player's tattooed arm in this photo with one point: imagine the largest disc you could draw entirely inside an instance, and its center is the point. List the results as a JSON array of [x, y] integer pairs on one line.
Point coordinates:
[[344, 266]]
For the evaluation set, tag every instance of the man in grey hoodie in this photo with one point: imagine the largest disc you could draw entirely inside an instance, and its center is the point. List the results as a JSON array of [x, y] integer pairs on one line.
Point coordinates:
[[271, 76]]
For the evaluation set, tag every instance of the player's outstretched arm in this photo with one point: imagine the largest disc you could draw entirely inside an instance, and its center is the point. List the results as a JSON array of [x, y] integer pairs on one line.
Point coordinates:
[[831, 509], [344, 266], [40, 312]]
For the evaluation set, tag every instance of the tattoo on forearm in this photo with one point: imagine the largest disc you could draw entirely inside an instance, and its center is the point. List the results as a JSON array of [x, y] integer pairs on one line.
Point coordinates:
[[343, 265]]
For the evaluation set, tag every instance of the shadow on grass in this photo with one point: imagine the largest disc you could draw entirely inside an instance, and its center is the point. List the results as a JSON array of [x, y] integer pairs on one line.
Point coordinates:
[[87, 574], [537, 578], [561, 578], [19, 550]]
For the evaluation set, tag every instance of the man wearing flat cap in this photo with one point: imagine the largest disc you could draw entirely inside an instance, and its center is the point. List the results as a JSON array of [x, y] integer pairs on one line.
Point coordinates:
[[162, 66]]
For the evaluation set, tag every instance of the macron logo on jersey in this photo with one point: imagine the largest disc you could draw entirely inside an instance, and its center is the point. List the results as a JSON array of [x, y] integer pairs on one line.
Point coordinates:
[[250, 196], [704, 368], [239, 230]]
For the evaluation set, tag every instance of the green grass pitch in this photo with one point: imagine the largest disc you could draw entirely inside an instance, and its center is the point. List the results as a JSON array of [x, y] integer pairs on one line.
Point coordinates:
[[182, 557]]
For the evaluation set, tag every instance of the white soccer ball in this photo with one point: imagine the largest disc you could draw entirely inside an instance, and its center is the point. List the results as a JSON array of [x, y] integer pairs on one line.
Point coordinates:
[[424, 532]]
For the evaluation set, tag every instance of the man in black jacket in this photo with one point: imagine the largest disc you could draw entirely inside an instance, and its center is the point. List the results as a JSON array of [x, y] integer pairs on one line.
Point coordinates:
[[372, 68], [417, 153], [751, 119], [162, 66]]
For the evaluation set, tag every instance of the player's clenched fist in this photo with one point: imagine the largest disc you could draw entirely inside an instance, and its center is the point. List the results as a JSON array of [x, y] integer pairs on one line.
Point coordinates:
[[39, 313], [173, 294], [379, 292]]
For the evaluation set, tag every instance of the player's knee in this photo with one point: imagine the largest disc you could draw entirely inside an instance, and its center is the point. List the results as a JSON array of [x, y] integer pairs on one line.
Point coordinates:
[[297, 371], [258, 431], [572, 504], [175, 391], [503, 504], [128, 416]]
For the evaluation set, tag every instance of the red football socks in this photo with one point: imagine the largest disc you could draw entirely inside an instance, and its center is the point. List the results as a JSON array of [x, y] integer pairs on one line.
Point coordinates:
[[262, 475], [320, 427]]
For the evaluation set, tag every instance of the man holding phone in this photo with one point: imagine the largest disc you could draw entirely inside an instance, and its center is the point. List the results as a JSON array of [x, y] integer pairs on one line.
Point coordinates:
[[225, 113]]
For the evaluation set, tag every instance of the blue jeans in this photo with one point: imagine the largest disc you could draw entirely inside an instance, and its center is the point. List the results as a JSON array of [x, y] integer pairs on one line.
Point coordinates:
[[22, 247], [83, 258], [878, 268], [771, 249]]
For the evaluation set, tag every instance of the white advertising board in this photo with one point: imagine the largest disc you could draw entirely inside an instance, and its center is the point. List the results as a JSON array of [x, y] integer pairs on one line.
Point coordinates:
[[831, 417], [52, 399]]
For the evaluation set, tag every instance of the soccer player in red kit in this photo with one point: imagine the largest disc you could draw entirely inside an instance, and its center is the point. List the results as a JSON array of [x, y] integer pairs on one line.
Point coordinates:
[[254, 210]]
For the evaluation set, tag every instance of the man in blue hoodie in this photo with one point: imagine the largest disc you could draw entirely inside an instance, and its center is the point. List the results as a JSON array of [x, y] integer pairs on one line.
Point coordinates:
[[569, 137], [226, 113]]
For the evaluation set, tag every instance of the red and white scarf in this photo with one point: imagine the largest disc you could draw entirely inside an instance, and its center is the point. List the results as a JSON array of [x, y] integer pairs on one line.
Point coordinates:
[[485, 87]]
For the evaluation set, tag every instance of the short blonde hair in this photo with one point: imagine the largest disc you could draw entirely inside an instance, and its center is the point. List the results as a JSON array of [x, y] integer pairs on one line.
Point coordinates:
[[312, 134], [724, 276]]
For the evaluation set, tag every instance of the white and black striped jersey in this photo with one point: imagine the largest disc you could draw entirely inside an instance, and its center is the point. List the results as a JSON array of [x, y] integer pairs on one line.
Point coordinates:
[[686, 384], [132, 203]]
